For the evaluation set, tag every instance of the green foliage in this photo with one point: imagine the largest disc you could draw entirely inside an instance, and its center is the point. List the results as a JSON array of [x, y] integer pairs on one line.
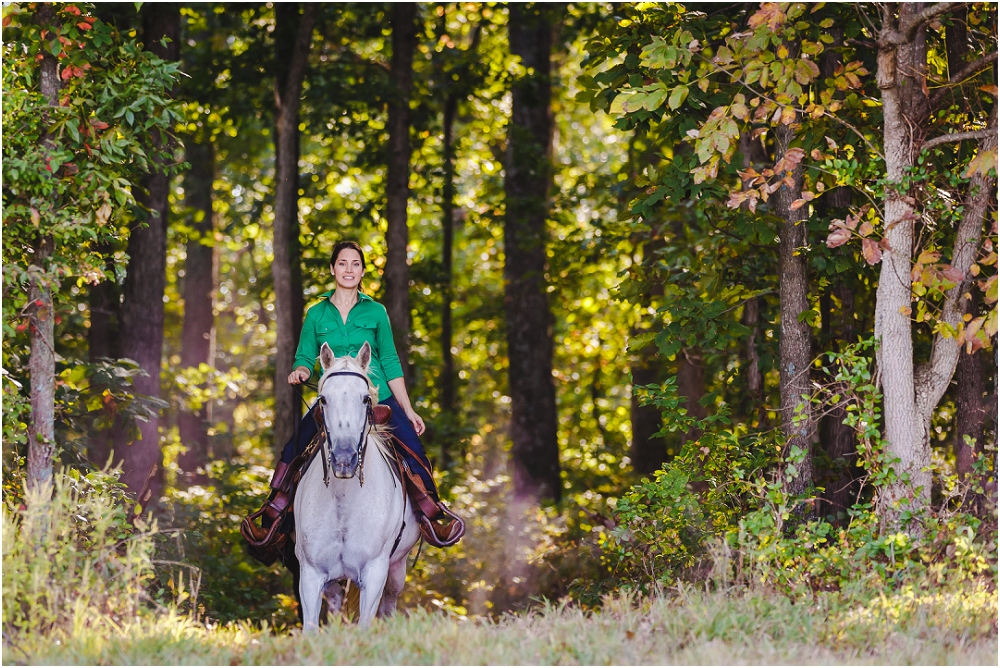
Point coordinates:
[[724, 505], [72, 561]]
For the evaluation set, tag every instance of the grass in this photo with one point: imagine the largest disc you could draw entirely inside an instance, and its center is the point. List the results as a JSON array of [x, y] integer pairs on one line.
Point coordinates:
[[956, 625]]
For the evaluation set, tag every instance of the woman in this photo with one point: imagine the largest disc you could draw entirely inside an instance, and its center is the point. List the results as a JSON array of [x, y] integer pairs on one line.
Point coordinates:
[[345, 320]]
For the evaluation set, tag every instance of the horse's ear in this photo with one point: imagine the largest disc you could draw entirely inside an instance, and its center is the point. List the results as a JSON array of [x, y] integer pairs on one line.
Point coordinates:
[[365, 355], [326, 357]]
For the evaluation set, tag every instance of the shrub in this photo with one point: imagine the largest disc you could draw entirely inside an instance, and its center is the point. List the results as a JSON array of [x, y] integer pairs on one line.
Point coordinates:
[[72, 560]]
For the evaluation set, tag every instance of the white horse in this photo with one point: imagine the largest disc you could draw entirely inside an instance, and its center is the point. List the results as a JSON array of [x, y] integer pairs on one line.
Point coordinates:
[[357, 525]]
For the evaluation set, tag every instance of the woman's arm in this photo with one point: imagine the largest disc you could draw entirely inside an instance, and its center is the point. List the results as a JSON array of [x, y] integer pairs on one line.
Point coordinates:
[[305, 354], [398, 387]]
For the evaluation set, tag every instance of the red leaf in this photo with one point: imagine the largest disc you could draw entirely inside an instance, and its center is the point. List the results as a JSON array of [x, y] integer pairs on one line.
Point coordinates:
[[838, 237], [6, 21], [83, 25], [871, 251], [72, 9], [884, 244], [953, 274], [798, 204], [98, 125]]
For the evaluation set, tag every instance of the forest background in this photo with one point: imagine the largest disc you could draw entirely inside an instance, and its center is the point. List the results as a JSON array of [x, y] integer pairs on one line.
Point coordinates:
[[684, 292]]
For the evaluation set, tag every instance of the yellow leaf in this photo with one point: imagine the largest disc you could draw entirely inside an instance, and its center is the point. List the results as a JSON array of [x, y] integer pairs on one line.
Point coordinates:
[[905, 310]]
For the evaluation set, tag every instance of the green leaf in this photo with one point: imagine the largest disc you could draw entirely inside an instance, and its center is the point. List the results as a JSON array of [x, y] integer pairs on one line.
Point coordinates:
[[677, 97]]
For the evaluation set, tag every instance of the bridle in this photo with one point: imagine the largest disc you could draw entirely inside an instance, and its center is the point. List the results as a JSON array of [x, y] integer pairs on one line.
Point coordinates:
[[362, 439]]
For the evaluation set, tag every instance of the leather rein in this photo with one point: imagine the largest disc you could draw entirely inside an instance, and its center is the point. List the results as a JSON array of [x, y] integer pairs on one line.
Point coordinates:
[[362, 445]]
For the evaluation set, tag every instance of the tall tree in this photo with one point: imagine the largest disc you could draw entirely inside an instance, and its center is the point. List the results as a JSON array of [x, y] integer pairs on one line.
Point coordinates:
[[200, 279], [795, 353], [397, 233], [293, 40], [458, 80], [42, 362], [534, 445], [910, 392], [145, 280]]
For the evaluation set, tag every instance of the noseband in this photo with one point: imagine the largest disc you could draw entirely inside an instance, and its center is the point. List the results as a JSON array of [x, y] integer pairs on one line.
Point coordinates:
[[362, 439]]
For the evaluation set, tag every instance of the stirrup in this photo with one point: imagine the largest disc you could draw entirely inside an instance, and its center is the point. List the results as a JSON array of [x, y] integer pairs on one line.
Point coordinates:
[[264, 545], [442, 535]]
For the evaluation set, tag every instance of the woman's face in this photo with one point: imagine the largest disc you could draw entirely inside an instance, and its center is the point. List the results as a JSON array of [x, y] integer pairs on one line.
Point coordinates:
[[347, 269]]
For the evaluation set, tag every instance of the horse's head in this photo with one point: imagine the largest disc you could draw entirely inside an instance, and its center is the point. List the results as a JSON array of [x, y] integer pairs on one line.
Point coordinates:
[[347, 397]]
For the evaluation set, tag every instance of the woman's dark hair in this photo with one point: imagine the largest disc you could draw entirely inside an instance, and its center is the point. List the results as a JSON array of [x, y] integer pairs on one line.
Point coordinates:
[[345, 245]]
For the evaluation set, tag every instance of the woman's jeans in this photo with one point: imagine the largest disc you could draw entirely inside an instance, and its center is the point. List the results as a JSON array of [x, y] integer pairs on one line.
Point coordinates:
[[401, 429]]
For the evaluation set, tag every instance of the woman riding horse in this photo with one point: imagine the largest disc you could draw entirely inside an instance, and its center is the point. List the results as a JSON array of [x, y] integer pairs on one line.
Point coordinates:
[[345, 320]]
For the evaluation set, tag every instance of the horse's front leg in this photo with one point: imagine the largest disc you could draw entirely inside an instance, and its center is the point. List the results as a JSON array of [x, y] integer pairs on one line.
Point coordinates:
[[393, 586], [311, 583], [373, 577]]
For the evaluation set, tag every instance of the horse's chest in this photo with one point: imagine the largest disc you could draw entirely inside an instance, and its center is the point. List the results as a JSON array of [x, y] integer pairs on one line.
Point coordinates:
[[342, 527]]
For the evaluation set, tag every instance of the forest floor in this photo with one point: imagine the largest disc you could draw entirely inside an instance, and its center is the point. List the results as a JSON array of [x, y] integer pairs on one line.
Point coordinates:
[[683, 626]]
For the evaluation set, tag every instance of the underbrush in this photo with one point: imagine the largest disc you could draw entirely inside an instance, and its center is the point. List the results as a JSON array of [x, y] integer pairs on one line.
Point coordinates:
[[721, 511], [73, 563], [685, 625]]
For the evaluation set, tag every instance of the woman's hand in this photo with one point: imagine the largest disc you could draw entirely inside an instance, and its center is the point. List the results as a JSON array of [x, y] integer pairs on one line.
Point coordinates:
[[299, 375], [416, 421]]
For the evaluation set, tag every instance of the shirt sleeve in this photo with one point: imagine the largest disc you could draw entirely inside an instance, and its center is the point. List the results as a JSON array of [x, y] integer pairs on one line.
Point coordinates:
[[308, 350], [387, 355]]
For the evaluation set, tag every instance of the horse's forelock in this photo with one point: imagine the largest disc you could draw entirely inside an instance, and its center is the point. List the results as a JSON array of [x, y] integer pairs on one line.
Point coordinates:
[[348, 363], [380, 433]]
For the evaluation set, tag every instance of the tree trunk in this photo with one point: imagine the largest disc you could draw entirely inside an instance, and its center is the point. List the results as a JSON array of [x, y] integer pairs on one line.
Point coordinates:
[[41, 360], [970, 409], [200, 279], [102, 342], [838, 439], [751, 360], [691, 386], [795, 355], [535, 448], [647, 453], [397, 234], [447, 268], [840, 480], [909, 394], [293, 39], [145, 280]]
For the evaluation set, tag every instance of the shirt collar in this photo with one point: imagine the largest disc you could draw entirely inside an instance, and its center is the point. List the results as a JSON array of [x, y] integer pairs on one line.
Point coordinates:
[[361, 295]]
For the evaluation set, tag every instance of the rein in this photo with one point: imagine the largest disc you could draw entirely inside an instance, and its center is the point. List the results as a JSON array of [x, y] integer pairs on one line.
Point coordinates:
[[362, 445]]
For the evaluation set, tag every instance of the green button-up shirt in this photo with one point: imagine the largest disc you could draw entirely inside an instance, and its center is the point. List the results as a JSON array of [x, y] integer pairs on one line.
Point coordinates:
[[367, 321]]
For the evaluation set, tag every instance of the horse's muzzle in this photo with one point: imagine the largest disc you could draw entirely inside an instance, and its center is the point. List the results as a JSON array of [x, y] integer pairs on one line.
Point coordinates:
[[345, 464]]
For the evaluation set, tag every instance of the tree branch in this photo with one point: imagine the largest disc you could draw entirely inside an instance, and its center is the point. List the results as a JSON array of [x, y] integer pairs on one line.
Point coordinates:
[[973, 68], [907, 31], [932, 378], [958, 136]]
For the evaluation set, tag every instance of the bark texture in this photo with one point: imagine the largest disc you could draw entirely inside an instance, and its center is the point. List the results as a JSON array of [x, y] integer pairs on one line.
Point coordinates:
[[840, 479], [145, 280], [41, 360], [102, 342], [970, 409], [293, 35], [534, 445], [794, 346], [200, 280], [397, 233]]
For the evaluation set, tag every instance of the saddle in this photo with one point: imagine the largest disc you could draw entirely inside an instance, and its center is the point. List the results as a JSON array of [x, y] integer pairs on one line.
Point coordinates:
[[266, 541]]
